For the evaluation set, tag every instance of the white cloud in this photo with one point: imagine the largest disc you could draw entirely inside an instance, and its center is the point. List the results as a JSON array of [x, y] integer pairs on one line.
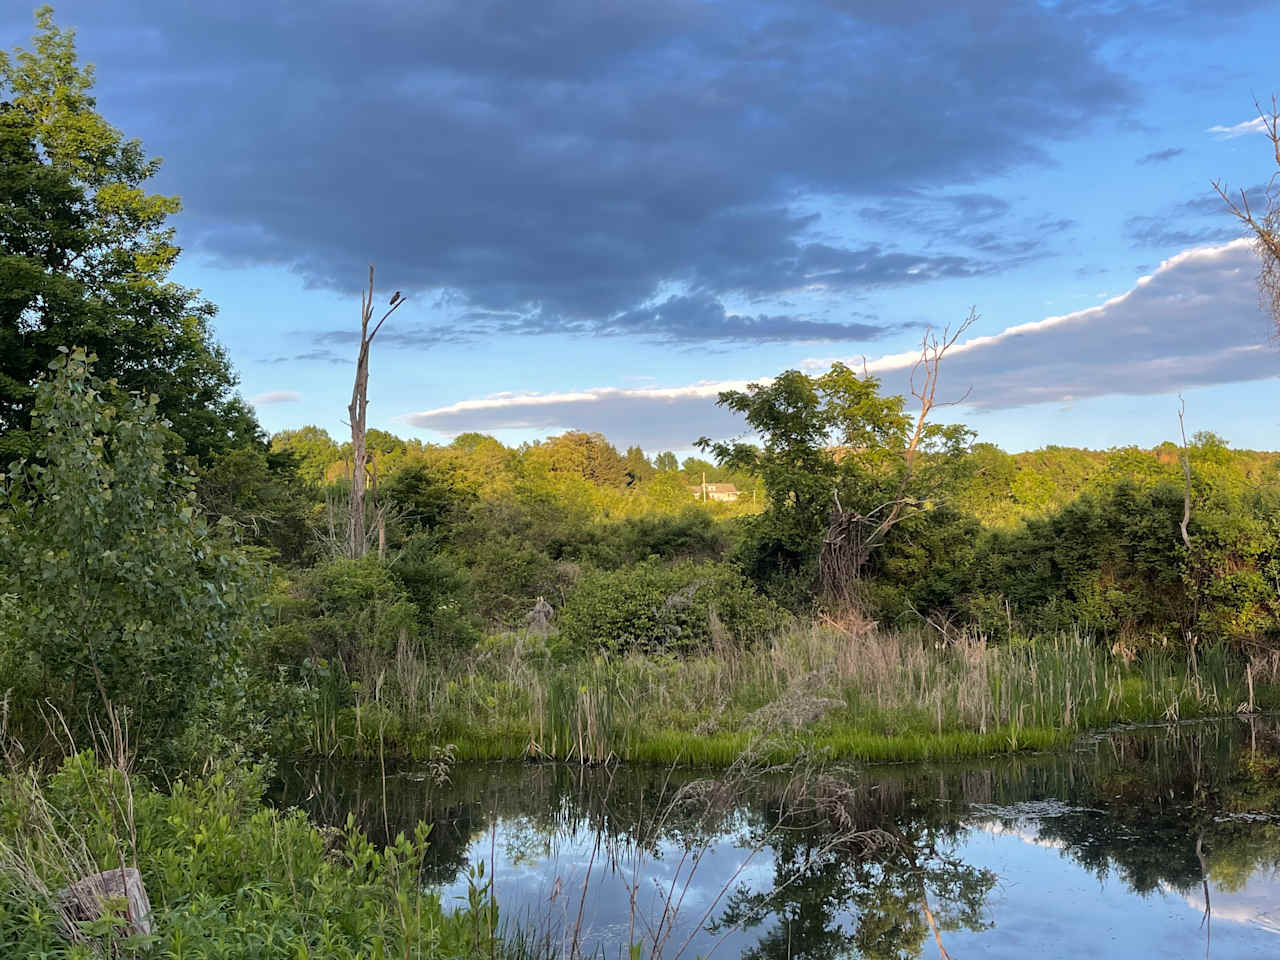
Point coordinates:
[[1195, 321], [653, 417], [1256, 125], [276, 396]]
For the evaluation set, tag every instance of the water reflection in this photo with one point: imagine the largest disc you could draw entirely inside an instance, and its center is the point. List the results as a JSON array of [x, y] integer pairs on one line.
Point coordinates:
[[1160, 841]]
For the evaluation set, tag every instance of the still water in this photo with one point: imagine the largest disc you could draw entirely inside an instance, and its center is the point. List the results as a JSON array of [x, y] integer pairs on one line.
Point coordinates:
[[1156, 842]]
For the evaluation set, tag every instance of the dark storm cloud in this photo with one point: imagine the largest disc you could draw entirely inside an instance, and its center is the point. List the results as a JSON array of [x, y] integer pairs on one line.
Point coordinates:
[[679, 319], [570, 162], [1161, 156], [700, 318]]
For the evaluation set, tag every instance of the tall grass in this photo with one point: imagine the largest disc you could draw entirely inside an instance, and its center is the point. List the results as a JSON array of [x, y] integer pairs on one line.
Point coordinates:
[[860, 695]]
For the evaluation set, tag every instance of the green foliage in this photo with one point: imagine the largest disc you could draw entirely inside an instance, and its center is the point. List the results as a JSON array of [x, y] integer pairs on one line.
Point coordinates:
[[122, 592], [638, 467], [428, 496], [826, 436], [352, 612], [653, 606], [692, 534], [260, 494], [586, 455], [313, 448], [85, 255], [226, 876], [436, 586], [1113, 561]]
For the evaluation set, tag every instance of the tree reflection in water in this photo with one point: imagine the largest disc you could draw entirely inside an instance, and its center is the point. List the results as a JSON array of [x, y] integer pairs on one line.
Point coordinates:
[[858, 862]]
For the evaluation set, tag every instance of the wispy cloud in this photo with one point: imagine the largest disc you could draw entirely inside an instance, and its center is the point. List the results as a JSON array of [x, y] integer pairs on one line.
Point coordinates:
[[276, 396], [1256, 125], [318, 355], [1161, 156]]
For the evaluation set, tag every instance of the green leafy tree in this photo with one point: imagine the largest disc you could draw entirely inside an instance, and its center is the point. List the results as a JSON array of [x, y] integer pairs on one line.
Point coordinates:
[[840, 463], [638, 467], [260, 493], [586, 455], [85, 255], [666, 462], [123, 594], [313, 448]]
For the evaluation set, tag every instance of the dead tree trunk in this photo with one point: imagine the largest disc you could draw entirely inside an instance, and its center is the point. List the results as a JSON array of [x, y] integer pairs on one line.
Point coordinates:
[[1185, 457], [357, 541], [89, 898], [853, 536]]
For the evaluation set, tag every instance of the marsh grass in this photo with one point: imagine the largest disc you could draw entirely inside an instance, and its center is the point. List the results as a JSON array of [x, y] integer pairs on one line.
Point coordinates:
[[813, 689]]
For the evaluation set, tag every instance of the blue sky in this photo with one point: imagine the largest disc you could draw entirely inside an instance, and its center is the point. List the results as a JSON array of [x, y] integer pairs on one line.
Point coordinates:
[[604, 211]]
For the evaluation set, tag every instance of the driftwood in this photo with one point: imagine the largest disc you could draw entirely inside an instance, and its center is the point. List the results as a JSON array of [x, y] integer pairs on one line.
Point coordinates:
[[88, 899]]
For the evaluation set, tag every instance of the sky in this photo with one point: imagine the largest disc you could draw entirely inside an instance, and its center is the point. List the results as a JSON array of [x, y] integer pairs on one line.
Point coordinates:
[[602, 213]]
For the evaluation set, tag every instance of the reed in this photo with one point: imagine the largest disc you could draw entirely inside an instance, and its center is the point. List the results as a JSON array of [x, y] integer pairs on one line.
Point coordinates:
[[872, 696]]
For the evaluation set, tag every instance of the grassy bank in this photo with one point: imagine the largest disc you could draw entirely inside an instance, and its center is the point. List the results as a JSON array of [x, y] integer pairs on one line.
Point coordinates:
[[815, 690]]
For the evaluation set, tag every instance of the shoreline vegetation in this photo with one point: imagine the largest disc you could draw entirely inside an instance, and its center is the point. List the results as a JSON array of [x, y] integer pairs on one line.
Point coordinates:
[[813, 693]]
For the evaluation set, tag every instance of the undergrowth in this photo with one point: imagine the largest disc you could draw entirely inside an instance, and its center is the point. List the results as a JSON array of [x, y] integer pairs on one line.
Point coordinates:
[[227, 877]]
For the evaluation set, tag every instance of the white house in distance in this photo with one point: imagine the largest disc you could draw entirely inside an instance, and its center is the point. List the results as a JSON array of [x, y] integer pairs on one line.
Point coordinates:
[[722, 492]]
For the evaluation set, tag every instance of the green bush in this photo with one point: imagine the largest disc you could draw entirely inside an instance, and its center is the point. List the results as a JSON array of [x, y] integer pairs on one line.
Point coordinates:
[[433, 581], [353, 612], [226, 876], [693, 534], [653, 606], [118, 590]]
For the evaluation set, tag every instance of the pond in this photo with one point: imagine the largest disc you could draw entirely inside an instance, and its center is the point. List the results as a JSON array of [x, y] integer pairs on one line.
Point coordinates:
[[1144, 842]]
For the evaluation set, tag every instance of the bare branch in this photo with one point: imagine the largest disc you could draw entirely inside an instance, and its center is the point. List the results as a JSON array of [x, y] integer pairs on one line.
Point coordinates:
[[1265, 226]]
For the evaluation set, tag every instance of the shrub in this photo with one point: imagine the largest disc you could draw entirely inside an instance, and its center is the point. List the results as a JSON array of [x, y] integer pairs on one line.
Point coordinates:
[[119, 591], [653, 606], [432, 580], [355, 612], [693, 534]]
